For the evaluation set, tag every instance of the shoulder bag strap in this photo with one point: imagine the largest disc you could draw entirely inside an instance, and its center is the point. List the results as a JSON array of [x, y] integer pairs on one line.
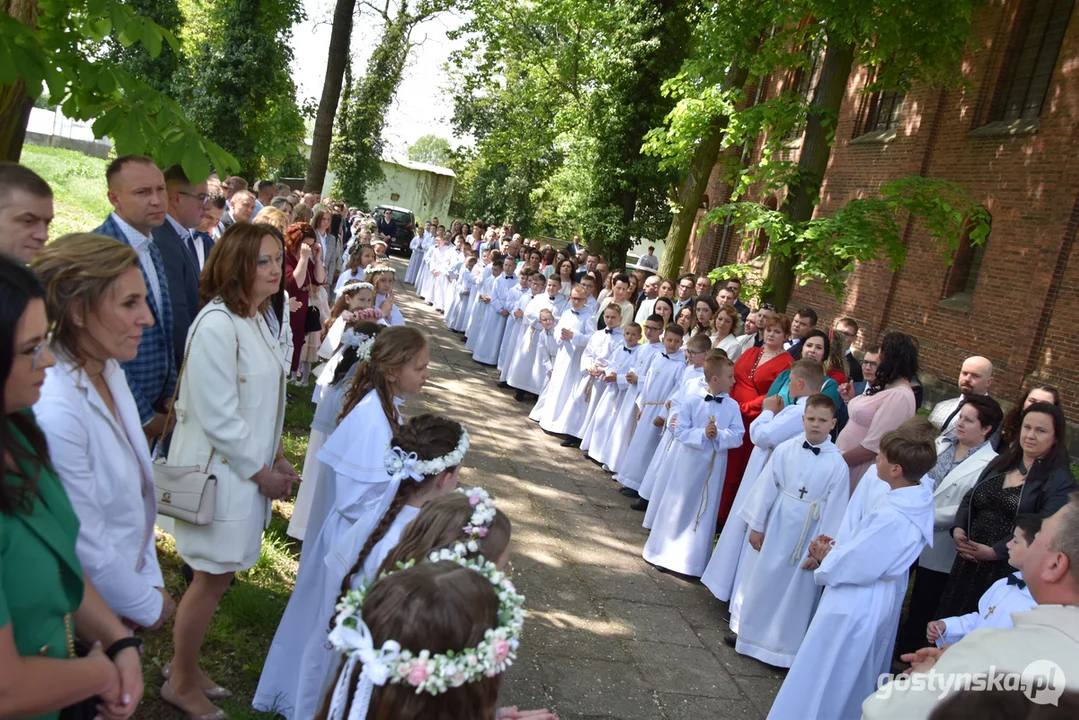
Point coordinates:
[[180, 374]]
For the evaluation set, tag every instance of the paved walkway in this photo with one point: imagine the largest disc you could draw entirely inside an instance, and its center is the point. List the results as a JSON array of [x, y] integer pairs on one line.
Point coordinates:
[[608, 636]]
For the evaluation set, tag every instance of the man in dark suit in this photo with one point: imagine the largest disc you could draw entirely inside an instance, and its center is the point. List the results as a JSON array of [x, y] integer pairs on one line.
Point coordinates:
[[575, 247], [735, 286], [138, 196], [804, 321], [846, 329], [177, 245]]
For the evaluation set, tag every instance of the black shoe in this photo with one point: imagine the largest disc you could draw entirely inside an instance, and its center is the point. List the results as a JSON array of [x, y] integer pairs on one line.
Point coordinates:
[[731, 639], [640, 505], [630, 492], [503, 384], [519, 396], [571, 441]]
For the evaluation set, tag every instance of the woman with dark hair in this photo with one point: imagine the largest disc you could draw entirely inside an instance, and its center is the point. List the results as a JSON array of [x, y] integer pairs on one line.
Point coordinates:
[[46, 602], [1031, 475], [1009, 429], [705, 308], [815, 346], [230, 411], [754, 372], [303, 269], [887, 404], [665, 309], [961, 458], [567, 270], [548, 266]]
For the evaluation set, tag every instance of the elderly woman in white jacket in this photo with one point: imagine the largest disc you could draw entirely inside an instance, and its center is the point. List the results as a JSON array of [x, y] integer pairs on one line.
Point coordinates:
[[961, 458], [96, 299], [229, 415]]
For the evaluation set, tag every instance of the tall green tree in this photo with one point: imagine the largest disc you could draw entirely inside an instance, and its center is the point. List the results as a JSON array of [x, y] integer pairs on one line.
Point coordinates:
[[430, 149], [54, 47], [239, 88], [337, 60], [161, 72]]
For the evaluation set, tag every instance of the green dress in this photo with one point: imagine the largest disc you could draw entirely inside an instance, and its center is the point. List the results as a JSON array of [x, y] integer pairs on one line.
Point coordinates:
[[41, 580]]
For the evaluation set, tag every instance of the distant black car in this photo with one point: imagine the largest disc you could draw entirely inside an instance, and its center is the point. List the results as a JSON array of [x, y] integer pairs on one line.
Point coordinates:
[[406, 227]]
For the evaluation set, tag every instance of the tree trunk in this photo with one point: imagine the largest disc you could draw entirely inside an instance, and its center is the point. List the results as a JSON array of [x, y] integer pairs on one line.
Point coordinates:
[[692, 191], [15, 103], [812, 162], [337, 58]]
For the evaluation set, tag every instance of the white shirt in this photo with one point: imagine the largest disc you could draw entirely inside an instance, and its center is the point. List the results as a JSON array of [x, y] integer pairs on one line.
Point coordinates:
[[104, 463], [648, 260], [141, 245]]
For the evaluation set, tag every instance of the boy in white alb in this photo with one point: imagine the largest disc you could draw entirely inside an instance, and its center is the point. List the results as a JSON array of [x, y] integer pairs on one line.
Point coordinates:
[[601, 411], [597, 356], [1004, 597], [656, 476], [515, 323], [709, 424], [733, 558], [614, 447], [660, 382], [523, 375], [864, 572], [457, 317], [802, 493], [571, 334], [503, 295], [489, 276]]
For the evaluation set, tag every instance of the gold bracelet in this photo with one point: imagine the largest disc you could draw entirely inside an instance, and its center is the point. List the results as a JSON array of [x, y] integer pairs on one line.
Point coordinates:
[[279, 456]]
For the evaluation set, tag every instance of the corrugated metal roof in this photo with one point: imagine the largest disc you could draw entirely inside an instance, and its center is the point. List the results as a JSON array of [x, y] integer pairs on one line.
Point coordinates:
[[424, 167]]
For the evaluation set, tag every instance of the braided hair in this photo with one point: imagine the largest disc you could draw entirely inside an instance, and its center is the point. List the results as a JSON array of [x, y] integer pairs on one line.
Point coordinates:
[[430, 437], [392, 350]]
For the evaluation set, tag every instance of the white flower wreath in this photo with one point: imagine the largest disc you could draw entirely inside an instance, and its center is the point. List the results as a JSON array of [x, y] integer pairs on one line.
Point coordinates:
[[483, 515], [360, 341], [380, 269], [433, 673], [357, 285], [401, 465]]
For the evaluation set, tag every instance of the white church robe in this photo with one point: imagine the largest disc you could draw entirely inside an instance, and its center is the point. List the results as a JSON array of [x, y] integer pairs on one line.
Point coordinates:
[[685, 527], [601, 411], [614, 447], [850, 640], [655, 475], [587, 390], [733, 557], [414, 260], [515, 328], [526, 369], [456, 315], [554, 410], [660, 383], [484, 286], [505, 295], [797, 497]]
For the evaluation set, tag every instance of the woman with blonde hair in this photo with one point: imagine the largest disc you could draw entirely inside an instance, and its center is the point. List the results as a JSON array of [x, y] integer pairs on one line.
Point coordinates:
[[230, 413], [96, 298], [272, 216], [727, 325]]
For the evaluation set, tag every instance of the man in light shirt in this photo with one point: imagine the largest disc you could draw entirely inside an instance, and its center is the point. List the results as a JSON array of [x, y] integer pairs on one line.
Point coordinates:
[[139, 200], [649, 261]]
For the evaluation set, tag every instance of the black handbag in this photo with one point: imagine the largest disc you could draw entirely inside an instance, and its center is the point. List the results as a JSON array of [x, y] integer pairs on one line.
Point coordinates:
[[313, 321], [84, 709]]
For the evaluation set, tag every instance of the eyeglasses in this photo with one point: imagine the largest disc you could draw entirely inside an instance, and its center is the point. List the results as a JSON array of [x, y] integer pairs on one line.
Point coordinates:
[[767, 306], [870, 363], [37, 351]]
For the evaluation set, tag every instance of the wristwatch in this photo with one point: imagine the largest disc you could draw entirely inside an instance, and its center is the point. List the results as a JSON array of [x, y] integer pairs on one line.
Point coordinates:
[[123, 644]]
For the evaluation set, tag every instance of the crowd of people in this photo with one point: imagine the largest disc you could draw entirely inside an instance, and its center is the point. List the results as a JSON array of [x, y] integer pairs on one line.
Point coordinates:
[[147, 366], [827, 488]]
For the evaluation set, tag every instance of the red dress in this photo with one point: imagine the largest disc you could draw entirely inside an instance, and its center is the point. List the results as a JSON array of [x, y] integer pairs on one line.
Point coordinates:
[[751, 383], [298, 319]]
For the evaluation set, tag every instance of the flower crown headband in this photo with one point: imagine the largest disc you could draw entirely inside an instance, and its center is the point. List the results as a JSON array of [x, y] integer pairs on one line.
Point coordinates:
[[362, 342], [356, 285], [483, 514], [433, 673], [379, 269], [401, 465]]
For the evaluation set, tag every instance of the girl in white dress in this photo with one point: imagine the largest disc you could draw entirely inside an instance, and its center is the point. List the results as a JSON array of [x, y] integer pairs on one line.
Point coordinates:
[[415, 259], [423, 463], [357, 494], [335, 379], [382, 277], [354, 297], [361, 256]]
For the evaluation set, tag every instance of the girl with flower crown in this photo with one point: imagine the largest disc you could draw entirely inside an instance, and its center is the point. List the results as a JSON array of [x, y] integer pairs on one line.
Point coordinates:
[[382, 277], [361, 256], [353, 297], [310, 508], [358, 494]]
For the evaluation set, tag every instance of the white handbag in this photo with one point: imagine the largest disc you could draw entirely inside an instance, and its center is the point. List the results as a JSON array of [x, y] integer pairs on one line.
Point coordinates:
[[185, 493]]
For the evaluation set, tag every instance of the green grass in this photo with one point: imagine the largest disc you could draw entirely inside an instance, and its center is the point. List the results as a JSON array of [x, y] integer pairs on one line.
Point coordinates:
[[78, 186], [244, 625]]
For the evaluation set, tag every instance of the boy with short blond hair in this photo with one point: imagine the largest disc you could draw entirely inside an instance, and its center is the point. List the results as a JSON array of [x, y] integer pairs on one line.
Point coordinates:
[[801, 493], [709, 424]]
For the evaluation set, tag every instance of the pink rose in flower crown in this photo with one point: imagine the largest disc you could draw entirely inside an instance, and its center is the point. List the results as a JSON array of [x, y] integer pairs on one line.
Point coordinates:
[[501, 649], [417, 674], [373, 314], [349, 316], [482, 532], [474, 500]]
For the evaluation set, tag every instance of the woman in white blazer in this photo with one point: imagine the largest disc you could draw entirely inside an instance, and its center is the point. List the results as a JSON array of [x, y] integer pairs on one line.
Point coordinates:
[[961, 458], [229, 415], [96, 299]]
